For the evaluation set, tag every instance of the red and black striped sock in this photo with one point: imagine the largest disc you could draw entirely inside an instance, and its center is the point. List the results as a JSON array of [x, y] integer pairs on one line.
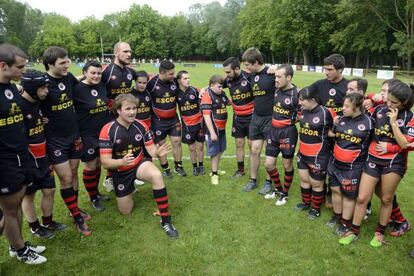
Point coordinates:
[[98, 176], [396, 213], [91, 183], [355, 229], [288, 181], [317, 199], [346, 222], [306, 195], [47, 220], [70, 199], [380, 228], [161, 198], [274, 175]]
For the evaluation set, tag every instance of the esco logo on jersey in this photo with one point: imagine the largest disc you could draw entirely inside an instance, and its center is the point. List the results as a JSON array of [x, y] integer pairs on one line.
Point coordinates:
[[8, 94]]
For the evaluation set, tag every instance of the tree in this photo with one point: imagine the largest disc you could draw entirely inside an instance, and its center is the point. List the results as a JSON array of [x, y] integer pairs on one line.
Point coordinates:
[[88, 34], [179, 36]]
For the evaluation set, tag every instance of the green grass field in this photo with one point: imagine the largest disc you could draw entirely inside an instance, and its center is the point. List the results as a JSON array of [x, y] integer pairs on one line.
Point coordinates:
[[223, 231]]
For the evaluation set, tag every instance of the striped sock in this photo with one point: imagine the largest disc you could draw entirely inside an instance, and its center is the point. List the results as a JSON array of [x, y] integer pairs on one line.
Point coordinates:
[[274, 175], [306, 195], [161, 198], [317, 199], [288, 181], [91, 184], [380, 228], [70, 199]]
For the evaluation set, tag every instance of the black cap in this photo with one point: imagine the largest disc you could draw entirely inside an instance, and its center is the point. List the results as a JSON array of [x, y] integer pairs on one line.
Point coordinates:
[[32, 80]]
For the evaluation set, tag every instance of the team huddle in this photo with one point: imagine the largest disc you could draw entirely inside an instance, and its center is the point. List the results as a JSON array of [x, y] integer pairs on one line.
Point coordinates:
[[357, 144]]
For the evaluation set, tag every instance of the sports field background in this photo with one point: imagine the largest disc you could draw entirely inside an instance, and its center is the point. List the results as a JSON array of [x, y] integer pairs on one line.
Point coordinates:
[[223, 231]]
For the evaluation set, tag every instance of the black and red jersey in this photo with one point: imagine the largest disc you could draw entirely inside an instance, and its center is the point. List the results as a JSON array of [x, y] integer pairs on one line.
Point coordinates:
[[164, 97], [118, 141], [263, 89], [383, 133], [331, 94], [144, 106], [58, 107], [285, 107], [13, 139], [241, 94], [33, 120], [215, 105], [352, 138], [118, 80], [91, 108], [189, 106], [313, 134]]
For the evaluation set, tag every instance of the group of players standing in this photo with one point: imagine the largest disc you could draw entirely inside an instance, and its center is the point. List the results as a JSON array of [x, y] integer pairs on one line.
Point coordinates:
[[104, 122]]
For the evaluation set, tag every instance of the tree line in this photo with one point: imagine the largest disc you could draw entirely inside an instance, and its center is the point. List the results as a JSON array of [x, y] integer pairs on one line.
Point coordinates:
[[367, 32]]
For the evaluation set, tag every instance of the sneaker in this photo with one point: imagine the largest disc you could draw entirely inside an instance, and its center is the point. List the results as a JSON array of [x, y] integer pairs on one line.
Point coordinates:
[[400, 229], [138, 182], [55, 226], [251, 185], [180, 171], [36, 248], [348, 238], [195, 171], [97, 205], [238, 174], [368, 212], [31, 257], [302, 207], [215, 179], [43, 233], [271, 195], [170, 230], [102, 197], [85, 216], [108, 184], [377, 240], [283, 199], [341, 230], [267, 187], [167, 174], [332, 222], [218, 172], [201, 170], [83, 228], [314, 214]]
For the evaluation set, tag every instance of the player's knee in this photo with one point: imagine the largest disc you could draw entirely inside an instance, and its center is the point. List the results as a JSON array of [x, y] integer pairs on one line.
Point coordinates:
[[48, 192], [239, 143], [192, 147], [269, 165], [362, 200], [387, 199]]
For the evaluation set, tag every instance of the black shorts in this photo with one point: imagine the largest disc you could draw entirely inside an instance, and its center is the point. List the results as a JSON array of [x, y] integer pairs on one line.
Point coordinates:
[[124, 181], [162, 128], [376, 168], [282, 140], [316, 166], [90, 148], [61, 149], [42, 174], [241, 125], [260, 127], [347, 180], [190, 136], [14, 173]]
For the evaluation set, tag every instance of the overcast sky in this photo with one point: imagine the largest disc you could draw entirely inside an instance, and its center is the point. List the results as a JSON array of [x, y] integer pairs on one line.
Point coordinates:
[[79, 9]]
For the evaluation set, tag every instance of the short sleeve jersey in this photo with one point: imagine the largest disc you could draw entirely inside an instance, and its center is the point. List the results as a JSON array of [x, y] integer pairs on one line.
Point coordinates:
[[285, 107], [263, 88], [189, 106], [241, 94], [331, 94], [164, 97], [144, 105], [118, 80], [215, 105]]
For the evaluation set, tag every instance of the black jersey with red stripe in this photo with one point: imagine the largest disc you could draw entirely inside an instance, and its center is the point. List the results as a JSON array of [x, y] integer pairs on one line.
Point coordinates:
[[189, 106], [118, 141], [58, 107], [118, 80], [285, 107], [144, 105], [383, 133], [91, 108], [241, 94], [164, 97], [314, 127], [352, 138], [13, 139], [263, 89], [215, 105], [331, 94]]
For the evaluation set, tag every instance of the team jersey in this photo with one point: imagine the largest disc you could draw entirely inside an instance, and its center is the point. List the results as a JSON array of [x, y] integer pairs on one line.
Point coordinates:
[[189, 106], [241, 94], [383, 133], [118, 141], [144, 106], [313, 134], [352, 138], [118, 80], [91, 108], [215, 105], [13, 139], [285, 107], [331, 94], [263, 88], [164, 97], [58, 107]]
